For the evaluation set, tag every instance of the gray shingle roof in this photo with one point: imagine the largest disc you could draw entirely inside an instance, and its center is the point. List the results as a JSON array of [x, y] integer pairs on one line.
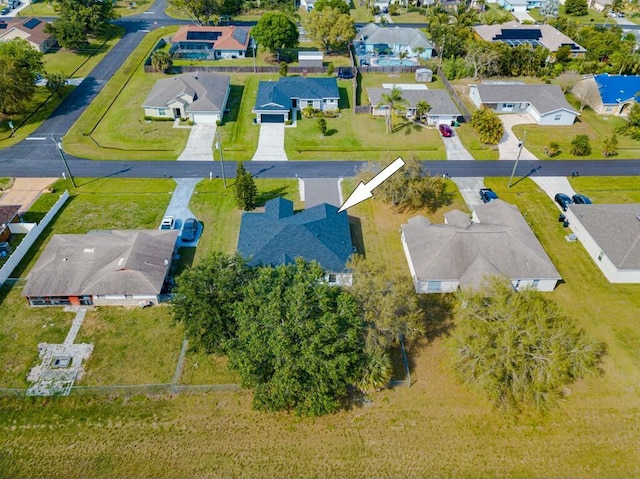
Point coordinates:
[[544, 98], [278, 95], [616, 229], [551, 38], [373, 33], [210, 91], [103, 262], [501, 243], [439, 100], [278, 236]]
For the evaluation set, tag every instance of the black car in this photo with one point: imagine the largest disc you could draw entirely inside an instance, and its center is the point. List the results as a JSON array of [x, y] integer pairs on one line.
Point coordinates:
[[563, 200], [487, 194], [581, 200], [345, 73], [4, 11], [189, 229]]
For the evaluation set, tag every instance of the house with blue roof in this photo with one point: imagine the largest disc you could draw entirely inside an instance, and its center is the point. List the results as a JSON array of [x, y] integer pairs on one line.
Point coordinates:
[[608, 94], [278, 236], [278, 102]]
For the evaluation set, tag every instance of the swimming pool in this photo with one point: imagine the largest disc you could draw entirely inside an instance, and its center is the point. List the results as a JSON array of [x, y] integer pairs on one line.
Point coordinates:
[[393, 61]]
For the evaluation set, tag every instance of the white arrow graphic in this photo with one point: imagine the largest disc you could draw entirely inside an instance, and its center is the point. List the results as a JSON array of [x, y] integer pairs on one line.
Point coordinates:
[[363, 192]]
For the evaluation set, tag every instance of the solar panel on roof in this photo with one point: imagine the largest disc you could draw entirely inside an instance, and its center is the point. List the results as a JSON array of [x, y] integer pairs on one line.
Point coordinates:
[[31, 23], [519, 34], [209, 36], [240, 35]]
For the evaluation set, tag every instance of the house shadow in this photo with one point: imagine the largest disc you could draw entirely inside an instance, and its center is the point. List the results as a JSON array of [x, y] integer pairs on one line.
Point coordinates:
[[186, 258], [264, 196], [344, 98], [357, 238], [233, 104]]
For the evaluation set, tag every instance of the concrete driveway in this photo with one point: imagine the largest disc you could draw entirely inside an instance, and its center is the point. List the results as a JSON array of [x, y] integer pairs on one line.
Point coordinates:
[[470, 189], [200, 144], [315, 191], [454, 148], [179, 207], [25, 191], [271, 143], [554, 184], [508, 145]]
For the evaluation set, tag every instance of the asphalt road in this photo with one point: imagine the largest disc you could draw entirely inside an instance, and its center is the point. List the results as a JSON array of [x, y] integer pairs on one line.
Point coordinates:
[[39, 156]]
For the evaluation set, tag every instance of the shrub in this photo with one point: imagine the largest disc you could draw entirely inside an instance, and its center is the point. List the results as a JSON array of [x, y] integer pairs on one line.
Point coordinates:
[[581, 146], [330, 68], [610, 146], [158, 118], [576, 7], [322, 126], [394, 9], [552, 149], [287, 122], [488, 126], [284, 69], [218, 122]]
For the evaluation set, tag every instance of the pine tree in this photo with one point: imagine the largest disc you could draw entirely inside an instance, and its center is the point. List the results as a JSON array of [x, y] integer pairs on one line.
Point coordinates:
[[246, 191]]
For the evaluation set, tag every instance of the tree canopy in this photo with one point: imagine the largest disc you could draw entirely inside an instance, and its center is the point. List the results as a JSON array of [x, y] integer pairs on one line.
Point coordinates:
[[518, 348], [339, 5], [16, 85], [245, 189], [276, 30], [204, 11], [79, 18], [24, 54], [487, 126], [299, 340], [330, 27]]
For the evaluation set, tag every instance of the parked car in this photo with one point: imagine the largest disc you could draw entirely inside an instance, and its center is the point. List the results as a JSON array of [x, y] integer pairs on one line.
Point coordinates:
[[445, 130], [189, 229], [4, 11], [487, 194], [167, 223], [581, 199], [563, 200], [345, 73]]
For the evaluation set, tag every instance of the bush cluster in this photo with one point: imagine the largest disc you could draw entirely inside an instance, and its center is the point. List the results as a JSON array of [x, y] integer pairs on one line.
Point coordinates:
[[310, 112]]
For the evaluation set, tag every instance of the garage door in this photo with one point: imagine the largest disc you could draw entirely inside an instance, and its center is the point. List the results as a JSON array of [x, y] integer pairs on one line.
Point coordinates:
[[205, 118], [272, 118]]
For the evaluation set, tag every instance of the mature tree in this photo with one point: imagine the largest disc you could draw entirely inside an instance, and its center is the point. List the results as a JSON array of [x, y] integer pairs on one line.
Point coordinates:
[[299, 340], [79, 18], [339, 5], [56, 81], [161, 61], [204, 12], [581, 145], [487, 125], [483, 57], [24, 54], [275, 30], [245, 188], [16, 85], [601, 43], [393, 104], [331, 28], [610, 146], [422, 108], [204, 300], [576, 7], [566, 80], [409, 188], [634, 115], [518, 348], [388, 302]]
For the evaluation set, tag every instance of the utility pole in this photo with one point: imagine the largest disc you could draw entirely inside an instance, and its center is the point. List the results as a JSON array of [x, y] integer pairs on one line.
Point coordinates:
[[64, 160], [219, 147], [515, 165]]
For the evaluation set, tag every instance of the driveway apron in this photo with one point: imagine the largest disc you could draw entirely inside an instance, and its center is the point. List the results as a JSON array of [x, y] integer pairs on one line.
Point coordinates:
[[200, 144], [315, 191], [455, 149], [179, 206], [271, 143], [508, 145], [470, 189]]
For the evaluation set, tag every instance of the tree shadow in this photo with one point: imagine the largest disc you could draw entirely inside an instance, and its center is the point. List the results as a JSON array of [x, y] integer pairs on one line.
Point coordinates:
[[438, 313], [330, 132]]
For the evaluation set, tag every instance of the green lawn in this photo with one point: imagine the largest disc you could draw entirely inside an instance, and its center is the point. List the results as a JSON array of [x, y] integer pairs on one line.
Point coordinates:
[[123, 8], [5, 183], [593, 16]]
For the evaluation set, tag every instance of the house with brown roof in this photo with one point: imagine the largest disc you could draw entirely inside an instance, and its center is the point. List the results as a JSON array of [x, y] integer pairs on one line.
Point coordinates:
[[545, 103], [8, 214], [30, 29], [495, 241], [118, 267], [211, 43], [201, 97]]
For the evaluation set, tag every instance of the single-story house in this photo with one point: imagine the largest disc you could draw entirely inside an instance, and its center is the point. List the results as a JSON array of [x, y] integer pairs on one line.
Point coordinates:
[[201, 97], [495, 241], [609, 94], [310, 58], [276, 101], [117, 267], [545, 103], [211, 43], [599, 5], [310, 4], [443, 110], [396, 39], [30, 29], [8, 214], [515, 33], [514, 5], [611, 236], [278, 236]]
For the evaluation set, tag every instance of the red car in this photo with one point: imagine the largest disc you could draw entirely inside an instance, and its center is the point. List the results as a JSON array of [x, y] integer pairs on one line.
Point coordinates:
[[445, 130]]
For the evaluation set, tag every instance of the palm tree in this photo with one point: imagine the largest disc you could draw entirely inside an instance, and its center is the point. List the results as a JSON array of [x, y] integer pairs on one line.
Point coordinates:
[[161, 61], [376, 372], [394, 103], [422, 108], [419, 51]]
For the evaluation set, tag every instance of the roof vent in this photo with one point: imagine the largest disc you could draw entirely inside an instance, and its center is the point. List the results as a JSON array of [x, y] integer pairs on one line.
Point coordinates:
[[120, 261], [166, 262], [89, 250]]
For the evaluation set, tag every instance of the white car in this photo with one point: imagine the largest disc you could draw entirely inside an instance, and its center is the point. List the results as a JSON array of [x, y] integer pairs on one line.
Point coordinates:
[[167, 223]]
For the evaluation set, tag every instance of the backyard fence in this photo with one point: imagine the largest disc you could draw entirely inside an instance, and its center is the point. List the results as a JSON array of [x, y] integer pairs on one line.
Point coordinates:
[[132, 390], [240, 69], [389, 69], [466, 115]]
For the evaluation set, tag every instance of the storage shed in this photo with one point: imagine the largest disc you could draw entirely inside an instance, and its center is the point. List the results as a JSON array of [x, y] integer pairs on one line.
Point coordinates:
[[310, 59], [424, 75]]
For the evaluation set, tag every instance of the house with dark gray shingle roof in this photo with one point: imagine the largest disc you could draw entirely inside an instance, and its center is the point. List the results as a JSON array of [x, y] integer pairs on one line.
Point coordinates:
[[200, 97], [495, 241], [278, 236], [545, 103], [443, 110], [611, 236], [276, 101]]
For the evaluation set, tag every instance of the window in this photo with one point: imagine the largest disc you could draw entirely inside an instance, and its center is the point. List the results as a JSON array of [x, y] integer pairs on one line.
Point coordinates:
[[434, 285], [557, 117], [535, 283], [310, 103], [332, 278], [162, 111], [324, 100], [609, 108]]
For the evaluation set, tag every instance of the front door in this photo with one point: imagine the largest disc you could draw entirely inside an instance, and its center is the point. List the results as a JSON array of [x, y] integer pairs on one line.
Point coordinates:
[[177, 113]]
